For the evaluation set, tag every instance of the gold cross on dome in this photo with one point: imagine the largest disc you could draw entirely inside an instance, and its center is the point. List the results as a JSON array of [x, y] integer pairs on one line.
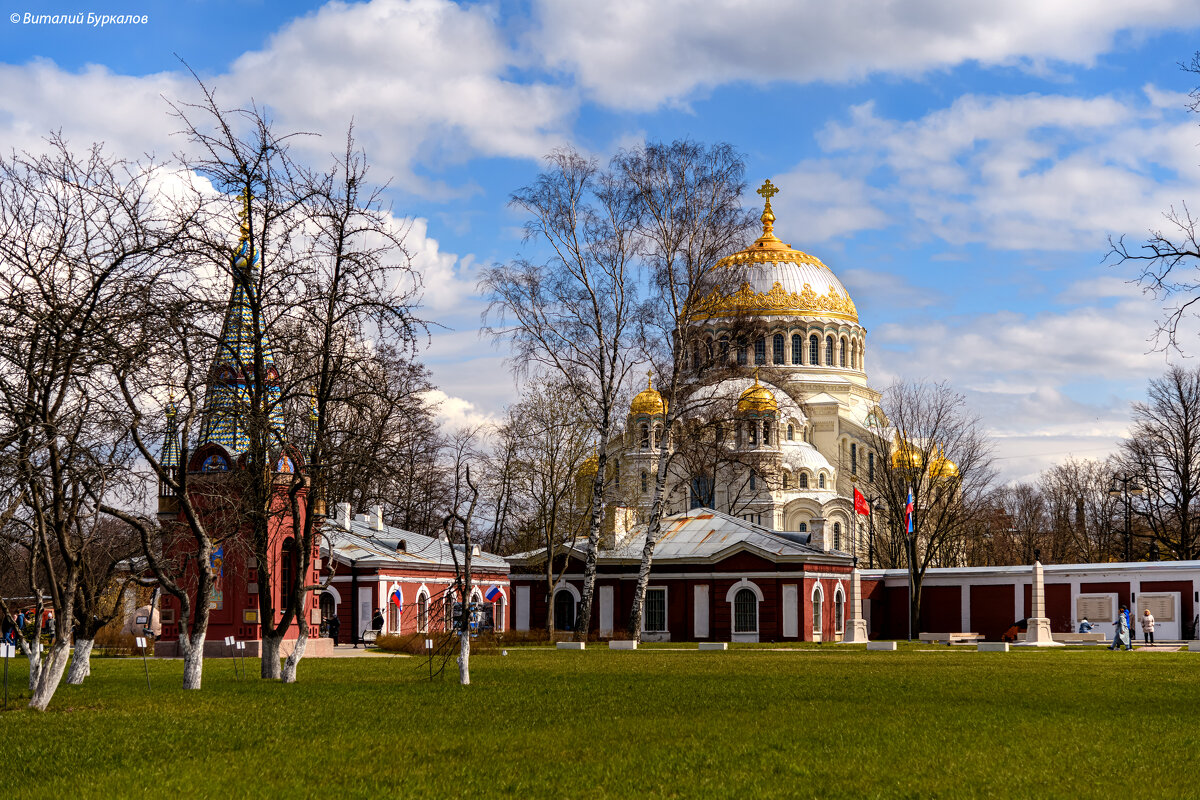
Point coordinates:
[[649, 379], [768, 190]]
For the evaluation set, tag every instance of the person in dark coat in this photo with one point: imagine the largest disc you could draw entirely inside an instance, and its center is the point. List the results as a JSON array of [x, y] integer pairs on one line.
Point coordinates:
[[377, 620], [334, 626]]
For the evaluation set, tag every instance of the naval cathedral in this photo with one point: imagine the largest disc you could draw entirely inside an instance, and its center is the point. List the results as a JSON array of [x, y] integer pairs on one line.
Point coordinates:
[[791, 441]]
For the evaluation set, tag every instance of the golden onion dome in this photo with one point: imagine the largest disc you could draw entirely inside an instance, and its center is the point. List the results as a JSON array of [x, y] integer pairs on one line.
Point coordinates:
[[942, 467], [587, 470], [757, 399], [905, 456], [779, 280], [648, 401]]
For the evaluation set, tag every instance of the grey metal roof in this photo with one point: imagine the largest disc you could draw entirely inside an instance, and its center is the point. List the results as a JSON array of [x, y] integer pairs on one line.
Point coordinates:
[[364, 544], [703, 534]]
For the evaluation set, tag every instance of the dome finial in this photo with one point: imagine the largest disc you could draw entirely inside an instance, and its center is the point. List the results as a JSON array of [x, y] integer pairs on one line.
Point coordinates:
[[768, 190], [649, 379]]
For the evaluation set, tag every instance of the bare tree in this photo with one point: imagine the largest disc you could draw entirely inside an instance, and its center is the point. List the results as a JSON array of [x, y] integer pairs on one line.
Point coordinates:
[[108, 572], [934, 451], [570, 310], [1163, 454], [687, 200], [80, 239], [460, 538]]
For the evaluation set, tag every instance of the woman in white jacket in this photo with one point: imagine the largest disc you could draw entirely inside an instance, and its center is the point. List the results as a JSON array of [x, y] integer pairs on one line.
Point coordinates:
[[1148, 626]]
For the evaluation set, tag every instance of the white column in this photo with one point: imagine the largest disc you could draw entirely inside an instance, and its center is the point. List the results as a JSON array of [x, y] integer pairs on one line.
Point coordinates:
[[1037, 633], [856, 628]]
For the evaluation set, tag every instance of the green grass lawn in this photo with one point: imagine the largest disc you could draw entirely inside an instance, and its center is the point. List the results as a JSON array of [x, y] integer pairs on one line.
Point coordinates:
[[830, 722]]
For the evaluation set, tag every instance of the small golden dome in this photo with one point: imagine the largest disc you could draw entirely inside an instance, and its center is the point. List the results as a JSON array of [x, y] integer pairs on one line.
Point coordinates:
[[905, 456], [587, 470], [757, 398], [648, 401], [942, 467]]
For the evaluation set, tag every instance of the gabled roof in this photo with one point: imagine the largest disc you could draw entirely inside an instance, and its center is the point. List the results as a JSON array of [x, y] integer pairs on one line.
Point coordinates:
[[705, 535], [366, 546]]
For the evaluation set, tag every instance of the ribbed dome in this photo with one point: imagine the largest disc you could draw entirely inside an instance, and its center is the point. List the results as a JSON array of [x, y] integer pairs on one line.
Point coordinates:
[[648, 401], [587, 470], [757, 398], [780, 280]]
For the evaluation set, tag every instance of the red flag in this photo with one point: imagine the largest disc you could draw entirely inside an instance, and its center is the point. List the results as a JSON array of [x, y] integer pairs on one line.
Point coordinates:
[[860, 503]]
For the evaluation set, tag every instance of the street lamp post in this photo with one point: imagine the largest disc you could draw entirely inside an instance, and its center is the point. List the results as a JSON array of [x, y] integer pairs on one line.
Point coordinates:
[[1124, 486]]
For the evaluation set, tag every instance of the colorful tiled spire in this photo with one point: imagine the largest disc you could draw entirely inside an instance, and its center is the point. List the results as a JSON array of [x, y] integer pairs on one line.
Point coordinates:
[[170, 451], [227, 396]]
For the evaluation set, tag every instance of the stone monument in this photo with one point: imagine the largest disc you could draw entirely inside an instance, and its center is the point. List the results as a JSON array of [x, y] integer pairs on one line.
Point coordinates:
[[1037, 632], [856, 629]]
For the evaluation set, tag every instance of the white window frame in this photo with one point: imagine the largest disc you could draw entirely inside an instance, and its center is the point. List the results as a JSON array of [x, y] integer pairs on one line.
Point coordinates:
[[839, 610], [817, 601], [744, 636], [646, 616]]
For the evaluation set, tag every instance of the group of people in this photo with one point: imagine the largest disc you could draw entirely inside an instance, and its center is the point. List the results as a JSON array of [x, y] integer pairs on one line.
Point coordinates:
[[23, 625], [1123, 625]]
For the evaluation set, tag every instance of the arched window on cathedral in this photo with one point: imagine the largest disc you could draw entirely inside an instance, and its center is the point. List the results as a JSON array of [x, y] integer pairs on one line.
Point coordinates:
[[724, 351], [870, 466], [803, 482], [645, 482], [854, 356], [766, 431], [804, 527], [708, 351], [760, 350], [797, 348], [617, 473], [842, 352], [644, 436], [658, 435], [753, 481], [791, 432], [753, 432], [787, 480], [829, 351], [853, 458], [821, 481], [837, 536], [696, 362], [777, 348], [814, 350], [741, 352]]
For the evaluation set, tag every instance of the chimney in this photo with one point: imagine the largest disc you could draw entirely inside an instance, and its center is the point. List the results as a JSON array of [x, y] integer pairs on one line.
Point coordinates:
[[818, 539], [377, 517], [343, 515]]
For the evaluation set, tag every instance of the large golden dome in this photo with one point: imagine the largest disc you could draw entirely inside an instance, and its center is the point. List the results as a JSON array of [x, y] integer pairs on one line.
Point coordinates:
[[779, 280], [757, 399], [648, 401]]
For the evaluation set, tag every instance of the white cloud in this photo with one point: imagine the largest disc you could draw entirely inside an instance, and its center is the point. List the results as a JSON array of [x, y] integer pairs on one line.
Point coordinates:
[[633, 54], [425, 81], [455, 413]]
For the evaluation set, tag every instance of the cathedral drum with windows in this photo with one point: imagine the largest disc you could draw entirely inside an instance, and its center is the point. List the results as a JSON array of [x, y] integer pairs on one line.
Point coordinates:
[[759, 494]]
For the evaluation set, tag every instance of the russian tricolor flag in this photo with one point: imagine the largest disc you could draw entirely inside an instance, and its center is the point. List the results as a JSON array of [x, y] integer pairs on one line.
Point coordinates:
[[908, 511], [397, 599], [493, 594]]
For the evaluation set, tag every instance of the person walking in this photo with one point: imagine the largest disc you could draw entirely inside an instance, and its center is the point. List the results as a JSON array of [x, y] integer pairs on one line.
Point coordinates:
[[377, 620], [1148, 626], [335, 626], [1121, 637]]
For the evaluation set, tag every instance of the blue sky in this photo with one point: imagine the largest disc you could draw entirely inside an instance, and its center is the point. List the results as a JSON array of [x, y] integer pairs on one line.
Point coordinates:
[[959, 165]]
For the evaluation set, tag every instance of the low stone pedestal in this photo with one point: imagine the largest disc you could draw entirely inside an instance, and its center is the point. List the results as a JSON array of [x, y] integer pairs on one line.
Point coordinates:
[[622, 644], [856, 632], [570, 645], [993, 647], [714, 645], [1037, 634], [881, 645]]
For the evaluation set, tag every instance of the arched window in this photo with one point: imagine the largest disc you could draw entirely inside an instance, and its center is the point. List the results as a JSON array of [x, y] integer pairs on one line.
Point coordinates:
[[787, 480], [814, 350], [821, 481], [817, 597], [645, 482], [853, 458], [870, 466], [448, 609], [854, 356], [564, 611], [753, 432], [829, 351], [803, 480], [777, 348], [837, 536], [753, 481], [708, 350], [328, 607], [724, 351], [791, 432], [658, 434], [423, 612], [617, 473], [839, 611], [741, 352], [842, 353], [797, 348], [804, 527], [644, 431], [745, 612], [760, 350], [766, 431]]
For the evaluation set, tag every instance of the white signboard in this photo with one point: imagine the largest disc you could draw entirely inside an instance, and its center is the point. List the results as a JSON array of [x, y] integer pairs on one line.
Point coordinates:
[[141, 642], [229, 640], [241, 645], [8, 650], [429, 644]]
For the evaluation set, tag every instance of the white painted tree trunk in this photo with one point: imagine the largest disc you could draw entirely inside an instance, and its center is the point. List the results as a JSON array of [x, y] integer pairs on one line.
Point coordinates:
[[50, 675], [193, 660], [270, 658], [464, 658], [81, 662], [33, 651], [288, 674]]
